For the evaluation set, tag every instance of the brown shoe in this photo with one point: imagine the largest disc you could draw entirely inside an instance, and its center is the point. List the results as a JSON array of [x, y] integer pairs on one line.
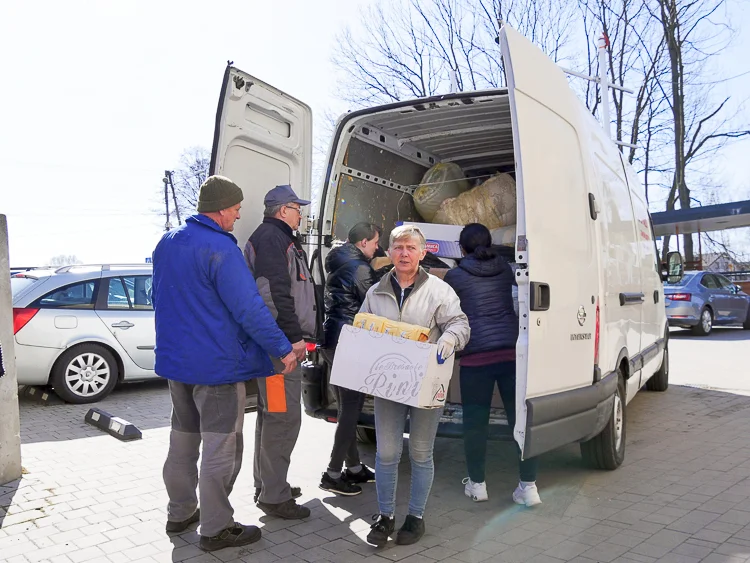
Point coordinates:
[[234, 536]]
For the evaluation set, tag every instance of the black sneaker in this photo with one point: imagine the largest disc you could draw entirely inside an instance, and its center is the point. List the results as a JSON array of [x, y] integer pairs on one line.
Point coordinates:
[[234, 536], [380, 530], [364, 475], [339, 486], [411, 532], [288, 510], [296, 493], [174, 527]]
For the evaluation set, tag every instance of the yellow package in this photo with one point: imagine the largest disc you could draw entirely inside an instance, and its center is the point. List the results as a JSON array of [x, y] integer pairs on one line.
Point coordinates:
[[370, 322], [407, 331]]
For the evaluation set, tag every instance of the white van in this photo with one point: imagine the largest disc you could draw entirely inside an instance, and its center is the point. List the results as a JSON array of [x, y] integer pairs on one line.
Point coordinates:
[[593, 328]]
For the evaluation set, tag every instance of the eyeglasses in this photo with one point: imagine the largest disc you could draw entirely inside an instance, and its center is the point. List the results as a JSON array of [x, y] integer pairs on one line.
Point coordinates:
[[297, 209]]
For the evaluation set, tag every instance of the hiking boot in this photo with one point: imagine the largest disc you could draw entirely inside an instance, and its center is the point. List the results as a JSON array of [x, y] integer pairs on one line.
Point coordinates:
[[475, 491], [288, 510], [380, 530], [364, 475], [174, 527], [527, 494], [411, 532], [296, 493], [234, 536], [339, 486]]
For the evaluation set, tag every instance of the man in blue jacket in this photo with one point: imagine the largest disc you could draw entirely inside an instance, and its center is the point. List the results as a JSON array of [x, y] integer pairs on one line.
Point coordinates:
[[213, 333]]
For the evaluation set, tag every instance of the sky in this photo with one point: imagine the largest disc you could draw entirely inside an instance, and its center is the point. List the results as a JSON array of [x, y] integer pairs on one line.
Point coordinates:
[[98, 98]]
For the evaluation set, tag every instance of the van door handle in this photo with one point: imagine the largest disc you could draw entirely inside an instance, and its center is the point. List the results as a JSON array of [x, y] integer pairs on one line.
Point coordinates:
[[123, 324], [656, 296], [631, 299], [540, 296]]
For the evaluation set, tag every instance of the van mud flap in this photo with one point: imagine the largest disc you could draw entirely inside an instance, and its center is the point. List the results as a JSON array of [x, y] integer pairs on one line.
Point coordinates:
[[563, 418]]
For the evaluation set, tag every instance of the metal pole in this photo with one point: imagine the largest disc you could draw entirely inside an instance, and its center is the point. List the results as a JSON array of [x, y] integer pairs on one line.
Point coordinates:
[[603, 83], [174, 196], [167, 226]]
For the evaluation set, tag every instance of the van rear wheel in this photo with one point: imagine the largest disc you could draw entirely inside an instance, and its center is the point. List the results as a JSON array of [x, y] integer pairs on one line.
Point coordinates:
[[660, 380], [607, 450]]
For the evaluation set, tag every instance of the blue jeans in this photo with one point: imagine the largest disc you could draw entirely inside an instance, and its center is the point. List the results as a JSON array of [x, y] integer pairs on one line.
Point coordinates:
[[390, 419], [477, 385]]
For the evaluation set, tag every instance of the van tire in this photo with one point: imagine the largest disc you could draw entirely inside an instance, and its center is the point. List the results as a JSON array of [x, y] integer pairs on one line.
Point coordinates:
[[366, 435], [660, 380], [746, 324], [605, 451], [700, 329]]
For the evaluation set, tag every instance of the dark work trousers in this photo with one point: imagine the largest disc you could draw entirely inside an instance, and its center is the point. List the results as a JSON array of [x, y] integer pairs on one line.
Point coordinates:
[[349, 404], [477, 386], [277, 427], [212, 414]]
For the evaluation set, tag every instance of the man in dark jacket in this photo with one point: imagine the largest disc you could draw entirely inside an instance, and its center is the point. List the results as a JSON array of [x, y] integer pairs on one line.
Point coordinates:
[[349, 277], [279, 264], [213, 332]]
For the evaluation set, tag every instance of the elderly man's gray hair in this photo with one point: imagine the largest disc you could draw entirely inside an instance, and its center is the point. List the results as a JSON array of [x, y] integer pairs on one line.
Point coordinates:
[[407, 232], [272, 211]]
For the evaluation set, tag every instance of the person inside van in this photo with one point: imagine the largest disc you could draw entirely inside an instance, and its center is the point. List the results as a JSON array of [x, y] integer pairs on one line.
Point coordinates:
[[409, 294], [484, 282], [350, 275]]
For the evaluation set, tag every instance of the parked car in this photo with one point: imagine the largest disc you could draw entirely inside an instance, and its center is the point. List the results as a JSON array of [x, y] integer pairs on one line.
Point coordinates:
[[591, 305], [83, 329], [702, 300]]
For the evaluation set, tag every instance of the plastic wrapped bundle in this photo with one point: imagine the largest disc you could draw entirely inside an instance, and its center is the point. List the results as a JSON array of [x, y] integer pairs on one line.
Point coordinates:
[[493, 204], [442, 181]]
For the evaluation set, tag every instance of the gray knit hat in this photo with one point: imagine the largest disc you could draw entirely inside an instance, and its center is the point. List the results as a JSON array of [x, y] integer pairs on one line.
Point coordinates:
[[218, 193]]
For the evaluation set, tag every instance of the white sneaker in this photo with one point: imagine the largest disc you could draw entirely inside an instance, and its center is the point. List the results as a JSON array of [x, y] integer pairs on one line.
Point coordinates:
[[475, 491], [528, 495]]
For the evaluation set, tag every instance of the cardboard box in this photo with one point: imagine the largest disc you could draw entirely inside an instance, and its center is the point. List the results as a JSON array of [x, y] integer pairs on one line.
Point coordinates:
[[442, 240], [392, 368]]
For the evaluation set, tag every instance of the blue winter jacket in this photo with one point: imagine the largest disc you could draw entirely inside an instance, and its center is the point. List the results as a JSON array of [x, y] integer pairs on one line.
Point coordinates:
[[212, 326], [485, 290]]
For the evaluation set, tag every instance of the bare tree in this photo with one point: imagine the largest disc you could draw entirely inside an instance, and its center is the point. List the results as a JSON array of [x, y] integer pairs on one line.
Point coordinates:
[[64, 260], [417, 48], [191, 172]]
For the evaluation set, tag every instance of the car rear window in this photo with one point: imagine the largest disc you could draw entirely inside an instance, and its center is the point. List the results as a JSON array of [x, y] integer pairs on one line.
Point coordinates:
[[684, 281], [20, 282]]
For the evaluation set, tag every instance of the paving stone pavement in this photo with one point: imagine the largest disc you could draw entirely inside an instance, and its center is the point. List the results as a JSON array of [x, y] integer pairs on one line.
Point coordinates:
[[681, 496]]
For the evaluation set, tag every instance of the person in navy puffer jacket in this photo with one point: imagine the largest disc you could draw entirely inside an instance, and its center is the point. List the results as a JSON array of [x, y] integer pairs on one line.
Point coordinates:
[[484, 283]]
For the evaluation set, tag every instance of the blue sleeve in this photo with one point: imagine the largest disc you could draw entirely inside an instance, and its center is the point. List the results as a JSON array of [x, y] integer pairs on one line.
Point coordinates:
[[237, 289]]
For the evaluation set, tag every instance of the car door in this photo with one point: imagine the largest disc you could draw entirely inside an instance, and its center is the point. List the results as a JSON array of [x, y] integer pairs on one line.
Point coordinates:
[[558, 277], [262, 138], [717, 298], [128, 314], [736, 301]]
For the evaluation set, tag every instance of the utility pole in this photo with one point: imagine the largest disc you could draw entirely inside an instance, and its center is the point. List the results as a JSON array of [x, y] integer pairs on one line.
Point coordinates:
[[167, 224], [170, 177]]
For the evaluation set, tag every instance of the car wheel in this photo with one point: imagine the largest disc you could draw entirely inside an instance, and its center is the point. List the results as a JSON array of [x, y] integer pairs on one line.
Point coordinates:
[[366, 435], [660, 380], [705, 324], [607, 449], [746, 324], [85, 374]]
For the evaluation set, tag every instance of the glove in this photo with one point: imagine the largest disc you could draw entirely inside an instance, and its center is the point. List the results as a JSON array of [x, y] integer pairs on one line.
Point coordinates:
[[446, 346]]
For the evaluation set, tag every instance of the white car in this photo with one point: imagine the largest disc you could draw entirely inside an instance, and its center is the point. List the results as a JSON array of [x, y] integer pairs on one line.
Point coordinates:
[[83, 329]]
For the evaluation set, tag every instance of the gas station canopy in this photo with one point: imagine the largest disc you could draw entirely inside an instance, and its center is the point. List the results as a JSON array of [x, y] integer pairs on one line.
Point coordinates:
[[702, 219]]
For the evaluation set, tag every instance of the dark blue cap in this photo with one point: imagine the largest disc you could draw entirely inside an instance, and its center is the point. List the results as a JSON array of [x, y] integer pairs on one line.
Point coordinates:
[[281, 195]]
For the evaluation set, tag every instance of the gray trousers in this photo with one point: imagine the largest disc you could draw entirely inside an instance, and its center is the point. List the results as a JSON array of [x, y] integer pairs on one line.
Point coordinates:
[[276, 432], [213, 414]]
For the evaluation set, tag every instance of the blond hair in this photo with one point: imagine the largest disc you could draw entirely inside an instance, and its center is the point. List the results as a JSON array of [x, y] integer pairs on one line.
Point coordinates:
[[407, 231]]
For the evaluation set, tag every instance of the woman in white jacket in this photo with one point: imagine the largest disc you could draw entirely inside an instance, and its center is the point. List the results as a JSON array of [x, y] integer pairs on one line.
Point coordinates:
[[411, 295]]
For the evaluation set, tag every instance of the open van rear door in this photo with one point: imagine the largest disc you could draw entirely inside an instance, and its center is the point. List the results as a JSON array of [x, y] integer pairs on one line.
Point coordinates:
[[262, 138], [558, 277]]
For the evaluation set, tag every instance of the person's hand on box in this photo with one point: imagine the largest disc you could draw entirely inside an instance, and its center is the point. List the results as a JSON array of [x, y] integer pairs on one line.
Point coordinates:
[[446, 346]]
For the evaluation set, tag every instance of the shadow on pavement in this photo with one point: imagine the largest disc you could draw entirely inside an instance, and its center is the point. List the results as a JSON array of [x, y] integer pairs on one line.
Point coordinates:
[[722, 334]]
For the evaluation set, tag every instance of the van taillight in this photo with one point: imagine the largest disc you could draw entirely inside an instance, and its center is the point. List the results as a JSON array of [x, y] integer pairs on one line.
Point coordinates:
[[21, 318], [596, 336]]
